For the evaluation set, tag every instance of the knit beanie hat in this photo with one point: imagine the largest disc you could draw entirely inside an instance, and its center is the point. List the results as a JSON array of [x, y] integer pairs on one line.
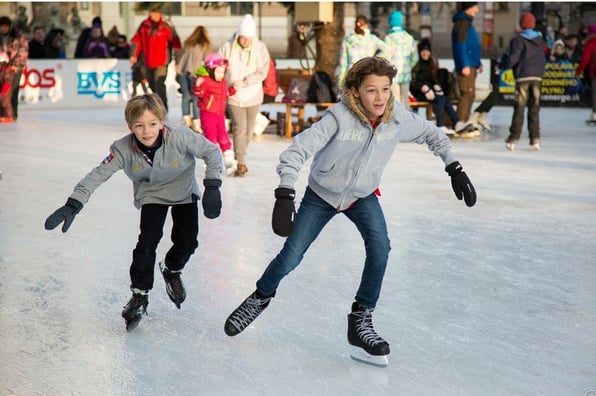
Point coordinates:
[[395, 19], [424, 44], [247, 27], [527, 21], [464, 5]]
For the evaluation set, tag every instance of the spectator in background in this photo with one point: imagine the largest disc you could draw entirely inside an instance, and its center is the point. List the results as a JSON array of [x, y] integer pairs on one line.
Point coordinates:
[[38, 47], [271, 83], [572, 48], [14, 49], [465, 44], [188, 60], [85, 36], [558, 52], [249, 64], [587, 67], [122, 48], [357, 45], [152, 41], [97, 46], [526, 58], [55, 41], [426, 86], [401, 49]]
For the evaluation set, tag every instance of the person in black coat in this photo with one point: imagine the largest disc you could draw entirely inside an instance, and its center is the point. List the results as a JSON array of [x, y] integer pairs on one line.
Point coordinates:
[[426, 86], [38, 46]]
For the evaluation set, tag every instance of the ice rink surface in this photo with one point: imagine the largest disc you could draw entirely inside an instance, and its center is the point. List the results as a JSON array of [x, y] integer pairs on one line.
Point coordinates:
[[498, 299]]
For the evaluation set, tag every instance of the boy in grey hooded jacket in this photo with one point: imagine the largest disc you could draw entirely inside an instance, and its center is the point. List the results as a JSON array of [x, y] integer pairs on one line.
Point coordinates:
[[350, 147], [160, 161]]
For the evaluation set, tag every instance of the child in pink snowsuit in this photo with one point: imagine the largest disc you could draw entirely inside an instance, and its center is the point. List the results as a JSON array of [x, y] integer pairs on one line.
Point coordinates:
[[212, 92]]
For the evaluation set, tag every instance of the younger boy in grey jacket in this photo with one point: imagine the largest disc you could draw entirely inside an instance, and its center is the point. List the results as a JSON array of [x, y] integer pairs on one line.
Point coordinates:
[[160, 161]]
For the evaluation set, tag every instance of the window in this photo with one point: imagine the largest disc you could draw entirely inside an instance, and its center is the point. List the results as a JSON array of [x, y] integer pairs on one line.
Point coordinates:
[[241, 8]]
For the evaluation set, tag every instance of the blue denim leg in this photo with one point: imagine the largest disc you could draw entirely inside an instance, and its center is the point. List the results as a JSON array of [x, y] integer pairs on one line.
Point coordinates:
[[368, 217], [312, 216], [189, 101], [194, 101]]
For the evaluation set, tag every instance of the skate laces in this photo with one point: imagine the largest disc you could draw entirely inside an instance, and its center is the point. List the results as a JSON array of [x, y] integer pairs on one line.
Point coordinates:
[[139, 302], [175, 282], [248, 311], [365, 329]]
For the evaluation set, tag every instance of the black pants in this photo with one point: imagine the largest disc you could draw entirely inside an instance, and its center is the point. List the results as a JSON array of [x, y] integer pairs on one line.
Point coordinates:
[[185, 229], [16, 80], [157, 82]]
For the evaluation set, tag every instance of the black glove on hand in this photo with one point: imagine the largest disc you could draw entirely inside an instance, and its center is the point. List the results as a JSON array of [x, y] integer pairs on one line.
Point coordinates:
[[283, 211], [462, 186], [212, 198], [65, 214]]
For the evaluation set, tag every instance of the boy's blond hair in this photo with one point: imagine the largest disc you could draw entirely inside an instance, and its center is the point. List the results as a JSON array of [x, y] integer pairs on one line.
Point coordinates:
[[139, 104]]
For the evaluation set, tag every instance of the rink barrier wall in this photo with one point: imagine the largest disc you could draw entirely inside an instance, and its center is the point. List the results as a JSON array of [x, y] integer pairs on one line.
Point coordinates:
[[82, 83]]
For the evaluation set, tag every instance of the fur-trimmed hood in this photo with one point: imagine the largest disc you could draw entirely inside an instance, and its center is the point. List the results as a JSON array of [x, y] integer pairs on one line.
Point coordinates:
[[356, 107]]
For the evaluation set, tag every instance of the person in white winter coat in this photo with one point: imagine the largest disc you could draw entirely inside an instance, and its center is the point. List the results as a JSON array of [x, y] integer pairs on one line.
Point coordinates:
[[248, 66]]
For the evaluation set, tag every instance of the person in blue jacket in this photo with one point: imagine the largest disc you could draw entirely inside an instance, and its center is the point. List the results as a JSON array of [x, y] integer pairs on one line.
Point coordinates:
[[465, 45], [350, 146]]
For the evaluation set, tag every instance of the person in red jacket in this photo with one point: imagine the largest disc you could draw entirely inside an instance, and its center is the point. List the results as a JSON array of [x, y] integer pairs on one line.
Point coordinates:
[[587, 65], [212, 92], [153, 39]]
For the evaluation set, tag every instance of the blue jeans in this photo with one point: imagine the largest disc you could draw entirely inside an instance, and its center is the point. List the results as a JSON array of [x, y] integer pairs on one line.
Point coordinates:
[[312, 216], [442, 105], [186, 82]]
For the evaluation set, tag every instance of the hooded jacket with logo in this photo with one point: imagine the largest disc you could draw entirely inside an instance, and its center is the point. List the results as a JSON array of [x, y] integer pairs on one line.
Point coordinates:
[[170, 180], [349, 154]]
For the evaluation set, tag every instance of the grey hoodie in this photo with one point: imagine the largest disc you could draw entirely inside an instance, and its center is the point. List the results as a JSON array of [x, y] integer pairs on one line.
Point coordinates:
[[349, 156], [170, 181]]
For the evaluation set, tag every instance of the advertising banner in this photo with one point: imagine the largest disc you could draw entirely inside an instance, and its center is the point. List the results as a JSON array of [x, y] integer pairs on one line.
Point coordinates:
[[82, 83], [560, 85]]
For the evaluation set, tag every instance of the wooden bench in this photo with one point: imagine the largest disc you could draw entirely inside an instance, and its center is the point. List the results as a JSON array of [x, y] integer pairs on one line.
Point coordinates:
[[426, 105], [299, 107], [428, 108]]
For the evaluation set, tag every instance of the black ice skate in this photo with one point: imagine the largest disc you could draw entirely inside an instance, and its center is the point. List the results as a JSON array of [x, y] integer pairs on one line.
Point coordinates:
[[135, 308], [174, 285], [246, 313], [368, 346]]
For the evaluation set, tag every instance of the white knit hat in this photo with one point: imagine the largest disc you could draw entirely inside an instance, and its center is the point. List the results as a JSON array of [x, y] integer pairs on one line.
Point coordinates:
[[247, 27]]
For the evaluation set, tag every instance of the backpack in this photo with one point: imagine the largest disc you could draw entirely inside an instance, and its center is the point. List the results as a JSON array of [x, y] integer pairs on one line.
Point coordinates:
[[297, 91], [320, 89]]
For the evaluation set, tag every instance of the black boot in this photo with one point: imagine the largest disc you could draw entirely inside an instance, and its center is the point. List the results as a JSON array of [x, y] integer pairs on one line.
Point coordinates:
[[246, 313], [174, 286], [369, 346], [135, 308]]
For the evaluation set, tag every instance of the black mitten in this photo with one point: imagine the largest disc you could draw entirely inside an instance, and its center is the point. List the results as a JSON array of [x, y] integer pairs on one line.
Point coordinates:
[[212, 198], [65, 214], [284, 211], [462, 186]]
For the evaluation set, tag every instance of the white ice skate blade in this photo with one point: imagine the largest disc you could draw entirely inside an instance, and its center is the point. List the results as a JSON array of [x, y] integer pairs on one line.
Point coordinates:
[[360, 355]]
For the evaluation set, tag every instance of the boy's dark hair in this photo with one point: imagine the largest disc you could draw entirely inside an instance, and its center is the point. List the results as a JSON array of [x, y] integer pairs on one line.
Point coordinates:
[[139, 104], [376, 65]]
